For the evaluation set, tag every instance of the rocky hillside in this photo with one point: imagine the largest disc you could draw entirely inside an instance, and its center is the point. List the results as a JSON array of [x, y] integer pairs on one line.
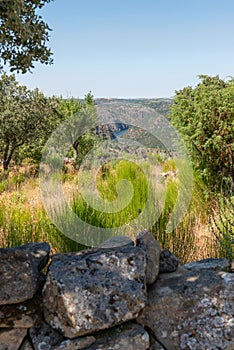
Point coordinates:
[[160, 105]]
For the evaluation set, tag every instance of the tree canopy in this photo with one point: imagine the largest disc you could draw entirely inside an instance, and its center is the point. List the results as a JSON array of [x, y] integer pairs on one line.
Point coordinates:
[[23, 34], [204, 116], [26, 118], [86, 117]]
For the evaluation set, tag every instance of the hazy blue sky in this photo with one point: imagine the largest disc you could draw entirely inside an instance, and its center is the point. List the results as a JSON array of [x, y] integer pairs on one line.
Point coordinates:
[[134, 48]]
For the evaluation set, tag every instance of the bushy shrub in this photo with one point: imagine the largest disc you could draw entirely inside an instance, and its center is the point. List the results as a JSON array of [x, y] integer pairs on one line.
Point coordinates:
[[204, 116]]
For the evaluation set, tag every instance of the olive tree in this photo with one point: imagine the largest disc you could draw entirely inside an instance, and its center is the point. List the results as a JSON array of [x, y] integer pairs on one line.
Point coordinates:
[[26, 117], [85, 124]]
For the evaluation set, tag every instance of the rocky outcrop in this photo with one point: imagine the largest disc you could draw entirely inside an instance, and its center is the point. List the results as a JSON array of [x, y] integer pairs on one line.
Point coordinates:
[[110, 131], [119, 295]]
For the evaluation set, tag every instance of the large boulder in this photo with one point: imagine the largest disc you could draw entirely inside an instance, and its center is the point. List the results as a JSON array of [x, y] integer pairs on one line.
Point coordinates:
[[95, 289], [19, 271], [191, 309]]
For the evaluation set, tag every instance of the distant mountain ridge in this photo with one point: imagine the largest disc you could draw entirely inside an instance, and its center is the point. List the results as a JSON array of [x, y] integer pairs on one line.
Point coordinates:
[[161, 105]]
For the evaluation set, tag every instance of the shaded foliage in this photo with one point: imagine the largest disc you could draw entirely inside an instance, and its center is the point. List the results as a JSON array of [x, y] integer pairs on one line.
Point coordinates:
[[26, 119], [222, 224], [204, 116], [23, 34]]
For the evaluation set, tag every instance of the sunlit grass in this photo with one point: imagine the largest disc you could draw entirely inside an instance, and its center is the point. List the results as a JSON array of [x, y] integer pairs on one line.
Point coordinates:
[[23, 218]]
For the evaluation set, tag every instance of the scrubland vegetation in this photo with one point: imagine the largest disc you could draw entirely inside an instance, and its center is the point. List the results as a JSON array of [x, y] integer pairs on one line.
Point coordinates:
[[203, 116]]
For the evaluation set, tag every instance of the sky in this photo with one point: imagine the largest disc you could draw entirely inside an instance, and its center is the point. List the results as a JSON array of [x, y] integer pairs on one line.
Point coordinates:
[[134, 48]]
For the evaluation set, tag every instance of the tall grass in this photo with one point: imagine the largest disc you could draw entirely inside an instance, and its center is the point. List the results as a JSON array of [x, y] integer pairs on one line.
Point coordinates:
[[107, 181], [183, 240], [222, 224], [23, 221]]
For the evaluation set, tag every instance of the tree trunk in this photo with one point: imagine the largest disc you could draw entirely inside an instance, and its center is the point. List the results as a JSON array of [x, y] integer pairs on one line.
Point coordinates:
[[75, 145], [7, 156]]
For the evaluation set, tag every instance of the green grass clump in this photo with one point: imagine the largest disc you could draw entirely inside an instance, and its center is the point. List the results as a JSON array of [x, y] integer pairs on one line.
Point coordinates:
[[20, 224], [108, 179]]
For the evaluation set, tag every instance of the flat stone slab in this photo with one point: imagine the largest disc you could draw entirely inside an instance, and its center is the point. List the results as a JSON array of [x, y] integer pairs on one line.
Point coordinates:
[[116, 242], [210, 263], [11, 339], [129, 336], [77, 344], [21, 315], [43, 337], [93, 290]]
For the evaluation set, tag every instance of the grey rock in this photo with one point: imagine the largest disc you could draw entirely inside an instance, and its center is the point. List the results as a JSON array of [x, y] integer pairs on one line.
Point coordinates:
[[146, 241], [191, 309], [129, 336], [210, 263], [19, 278], [77, 344], [21, 315], [116, 242], [93, 290], [11, 339], [154, 345], [168, 261], [40, 253], [26, 346], [43, 337]]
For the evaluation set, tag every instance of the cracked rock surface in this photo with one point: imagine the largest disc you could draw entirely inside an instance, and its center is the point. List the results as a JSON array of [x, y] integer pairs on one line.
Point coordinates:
[[93, 290], [20, 271], [192, 309]]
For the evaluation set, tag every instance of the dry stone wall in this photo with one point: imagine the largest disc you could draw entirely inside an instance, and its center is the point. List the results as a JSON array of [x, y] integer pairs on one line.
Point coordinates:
[[120, 296]]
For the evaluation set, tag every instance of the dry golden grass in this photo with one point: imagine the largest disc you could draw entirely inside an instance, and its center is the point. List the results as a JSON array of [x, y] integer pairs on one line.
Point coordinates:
[[204, 242], [23, 219]]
